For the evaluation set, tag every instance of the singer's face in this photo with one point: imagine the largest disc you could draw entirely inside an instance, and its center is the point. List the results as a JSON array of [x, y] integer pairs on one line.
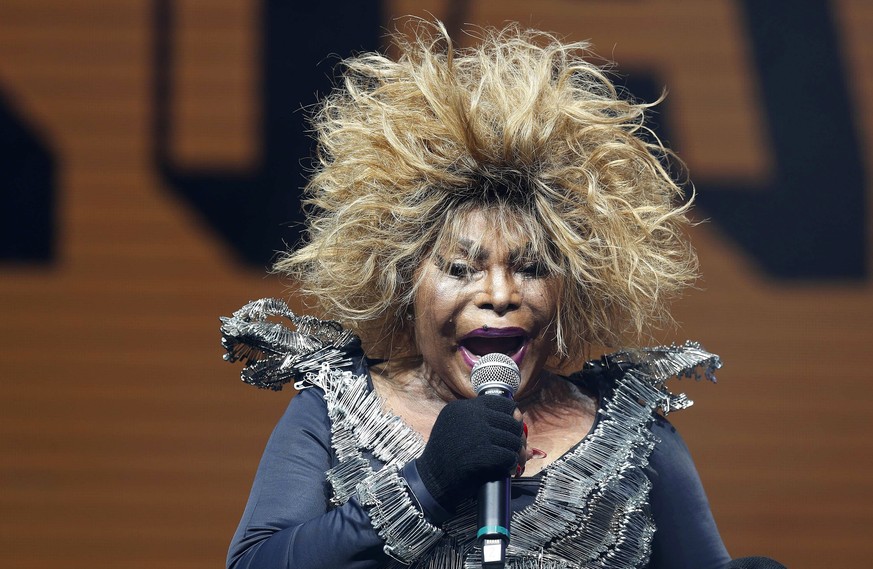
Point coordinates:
[[484, 293]]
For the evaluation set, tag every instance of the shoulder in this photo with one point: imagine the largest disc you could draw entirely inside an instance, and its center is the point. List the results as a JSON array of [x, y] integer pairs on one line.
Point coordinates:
[[687, 535], [670, 450], [671, 469], [305, 414], [329, 383], [307, 401]]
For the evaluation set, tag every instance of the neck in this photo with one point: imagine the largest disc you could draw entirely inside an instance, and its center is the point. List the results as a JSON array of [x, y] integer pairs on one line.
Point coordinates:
[[554, 397], [411, 380]]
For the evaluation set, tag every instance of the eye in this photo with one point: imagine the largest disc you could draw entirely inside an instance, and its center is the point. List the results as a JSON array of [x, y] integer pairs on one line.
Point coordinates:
[[534, 269], [459, 270]]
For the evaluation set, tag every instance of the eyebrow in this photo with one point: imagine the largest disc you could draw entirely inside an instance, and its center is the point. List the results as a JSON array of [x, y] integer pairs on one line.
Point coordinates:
[[466, 245]]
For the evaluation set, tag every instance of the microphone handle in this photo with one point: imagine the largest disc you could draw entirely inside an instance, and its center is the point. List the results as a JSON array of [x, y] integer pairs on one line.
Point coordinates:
[[493, 518], [493, 523]]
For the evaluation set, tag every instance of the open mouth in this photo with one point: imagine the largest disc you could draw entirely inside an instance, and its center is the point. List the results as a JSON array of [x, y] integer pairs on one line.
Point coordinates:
[[508, 341], [479, 346]]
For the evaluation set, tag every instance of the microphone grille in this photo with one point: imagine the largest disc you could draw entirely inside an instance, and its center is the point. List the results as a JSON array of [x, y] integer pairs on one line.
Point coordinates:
[[495, 370]]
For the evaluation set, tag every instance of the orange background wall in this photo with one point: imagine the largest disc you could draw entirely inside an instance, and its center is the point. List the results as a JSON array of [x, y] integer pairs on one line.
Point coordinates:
[[127, 442]]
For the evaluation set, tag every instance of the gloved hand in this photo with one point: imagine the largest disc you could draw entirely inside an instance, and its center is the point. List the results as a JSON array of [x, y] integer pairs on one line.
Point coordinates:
[[473, 441]]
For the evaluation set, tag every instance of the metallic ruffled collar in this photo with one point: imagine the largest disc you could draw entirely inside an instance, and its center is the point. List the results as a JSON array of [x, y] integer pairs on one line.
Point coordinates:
[[592, 506]]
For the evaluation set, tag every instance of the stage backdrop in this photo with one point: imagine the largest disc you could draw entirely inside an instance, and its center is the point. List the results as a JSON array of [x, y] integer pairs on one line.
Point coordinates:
[[150, 158]]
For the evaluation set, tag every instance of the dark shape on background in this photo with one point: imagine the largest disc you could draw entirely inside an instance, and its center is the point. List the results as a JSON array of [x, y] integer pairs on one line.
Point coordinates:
[[457, 14], [809, 223], [27, 191], [258, 214]]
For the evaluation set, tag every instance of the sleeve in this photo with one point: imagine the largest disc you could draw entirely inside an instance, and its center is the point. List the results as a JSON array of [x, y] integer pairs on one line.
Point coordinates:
[[289, 521], [686, 536]]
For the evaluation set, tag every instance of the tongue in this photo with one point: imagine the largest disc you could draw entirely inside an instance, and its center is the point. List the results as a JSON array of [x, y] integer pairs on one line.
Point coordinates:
[[482, 346]]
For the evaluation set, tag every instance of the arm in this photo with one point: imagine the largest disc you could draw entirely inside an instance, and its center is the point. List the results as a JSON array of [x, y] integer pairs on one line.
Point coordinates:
[[686, 535], [288, 521]]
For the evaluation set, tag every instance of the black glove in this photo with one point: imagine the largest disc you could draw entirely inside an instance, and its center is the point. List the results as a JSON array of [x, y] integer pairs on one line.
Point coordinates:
[[473, 441]]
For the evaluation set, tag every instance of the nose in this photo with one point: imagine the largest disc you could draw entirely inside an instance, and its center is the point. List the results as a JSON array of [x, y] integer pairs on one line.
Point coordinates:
[[500, 292]]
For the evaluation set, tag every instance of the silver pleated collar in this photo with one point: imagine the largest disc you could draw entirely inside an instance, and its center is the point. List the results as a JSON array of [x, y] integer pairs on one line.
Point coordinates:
[[591, 510]]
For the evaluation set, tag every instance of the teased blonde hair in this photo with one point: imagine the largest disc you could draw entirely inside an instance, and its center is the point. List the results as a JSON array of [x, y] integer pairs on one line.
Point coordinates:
[[520, 124]]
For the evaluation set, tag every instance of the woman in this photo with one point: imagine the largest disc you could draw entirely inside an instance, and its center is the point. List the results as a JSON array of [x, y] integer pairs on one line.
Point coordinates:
[[505, 199]]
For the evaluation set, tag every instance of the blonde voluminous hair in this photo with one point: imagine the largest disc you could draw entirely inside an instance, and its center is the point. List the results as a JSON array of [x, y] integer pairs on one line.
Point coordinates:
[[523, 127]]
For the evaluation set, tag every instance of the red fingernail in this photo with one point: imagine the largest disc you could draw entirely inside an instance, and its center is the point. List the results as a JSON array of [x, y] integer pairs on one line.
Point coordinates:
[[524, 426]]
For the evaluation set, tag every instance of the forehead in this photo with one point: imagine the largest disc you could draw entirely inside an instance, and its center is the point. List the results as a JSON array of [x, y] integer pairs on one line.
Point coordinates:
[[486, 230]]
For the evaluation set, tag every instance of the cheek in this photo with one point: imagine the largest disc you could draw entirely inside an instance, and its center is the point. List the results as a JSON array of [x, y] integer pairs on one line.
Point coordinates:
[[544, 308], [437, 301], [434, 315], [544, 302]]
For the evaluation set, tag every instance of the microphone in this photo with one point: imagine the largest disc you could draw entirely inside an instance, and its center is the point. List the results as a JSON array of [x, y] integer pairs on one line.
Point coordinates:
[[494, 374]]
